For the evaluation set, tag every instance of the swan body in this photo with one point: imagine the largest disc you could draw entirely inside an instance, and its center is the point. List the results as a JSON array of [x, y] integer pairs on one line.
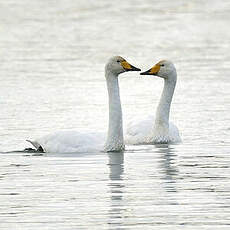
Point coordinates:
[[74, 141], [160, 130], [69, 141], [142, 132]]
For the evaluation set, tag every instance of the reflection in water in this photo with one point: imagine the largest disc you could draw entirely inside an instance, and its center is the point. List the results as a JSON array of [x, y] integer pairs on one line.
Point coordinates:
[[116, 161], [168, 167], [116, 166]]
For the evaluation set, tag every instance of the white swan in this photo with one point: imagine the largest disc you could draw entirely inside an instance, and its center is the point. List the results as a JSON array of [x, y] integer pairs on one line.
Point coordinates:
[[160, 131], [73, 141]]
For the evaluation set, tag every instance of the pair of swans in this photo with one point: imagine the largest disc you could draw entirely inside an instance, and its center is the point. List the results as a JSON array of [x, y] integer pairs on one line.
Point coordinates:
[[161, 131]]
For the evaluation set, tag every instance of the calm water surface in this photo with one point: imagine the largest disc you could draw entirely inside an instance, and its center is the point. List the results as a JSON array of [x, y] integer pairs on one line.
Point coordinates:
[[52, 78]]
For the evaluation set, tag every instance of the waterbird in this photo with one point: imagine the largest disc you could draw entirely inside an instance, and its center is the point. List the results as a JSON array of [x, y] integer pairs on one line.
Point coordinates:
[[75, 141], [158, 130]]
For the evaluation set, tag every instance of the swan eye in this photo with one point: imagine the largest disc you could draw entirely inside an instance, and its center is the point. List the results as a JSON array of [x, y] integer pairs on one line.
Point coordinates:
[[118, 61], [162, 64]]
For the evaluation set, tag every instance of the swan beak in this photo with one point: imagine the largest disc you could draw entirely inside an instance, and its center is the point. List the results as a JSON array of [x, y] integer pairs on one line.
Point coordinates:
[[153, 71], [129, 67]]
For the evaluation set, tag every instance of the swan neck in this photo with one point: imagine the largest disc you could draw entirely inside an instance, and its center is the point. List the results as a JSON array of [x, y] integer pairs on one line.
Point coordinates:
[[163, 109], [115, 140]]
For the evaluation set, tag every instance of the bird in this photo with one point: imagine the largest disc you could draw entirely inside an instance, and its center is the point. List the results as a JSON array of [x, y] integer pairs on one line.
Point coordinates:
[[75, 141], [160, 130]]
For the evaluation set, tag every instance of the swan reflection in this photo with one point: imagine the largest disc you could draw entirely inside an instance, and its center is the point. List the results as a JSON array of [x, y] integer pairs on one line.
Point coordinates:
[[168, 167], [116, 186]]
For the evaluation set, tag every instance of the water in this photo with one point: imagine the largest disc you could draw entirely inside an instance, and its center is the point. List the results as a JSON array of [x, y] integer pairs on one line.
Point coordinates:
[[52, 78]]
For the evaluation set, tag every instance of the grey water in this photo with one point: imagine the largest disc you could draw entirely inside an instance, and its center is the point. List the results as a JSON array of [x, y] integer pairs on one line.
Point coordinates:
[[52, 57]]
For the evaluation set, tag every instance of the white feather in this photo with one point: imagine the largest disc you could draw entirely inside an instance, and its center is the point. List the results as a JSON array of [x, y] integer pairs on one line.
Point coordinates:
[[74, 141], [140, 132], [158, 130]]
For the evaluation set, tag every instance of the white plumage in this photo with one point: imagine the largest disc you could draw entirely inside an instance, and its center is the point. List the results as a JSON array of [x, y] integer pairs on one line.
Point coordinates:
[[70, 141], [74, 141], [158, 130], [142, 132]]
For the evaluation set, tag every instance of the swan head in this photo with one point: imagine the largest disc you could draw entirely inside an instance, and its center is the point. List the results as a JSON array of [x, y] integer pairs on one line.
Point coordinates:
[[164, 69], [118, 65]]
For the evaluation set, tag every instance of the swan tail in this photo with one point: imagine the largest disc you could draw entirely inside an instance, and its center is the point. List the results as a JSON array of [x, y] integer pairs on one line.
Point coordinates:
[[37, 146]]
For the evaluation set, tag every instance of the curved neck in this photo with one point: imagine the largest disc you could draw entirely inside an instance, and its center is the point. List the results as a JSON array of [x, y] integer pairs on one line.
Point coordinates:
[[163, 109], [115, 140]]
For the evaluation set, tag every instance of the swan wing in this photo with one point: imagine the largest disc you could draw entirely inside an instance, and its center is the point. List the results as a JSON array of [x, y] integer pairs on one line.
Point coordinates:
[[141, 132], [70, 141], [137, 132]]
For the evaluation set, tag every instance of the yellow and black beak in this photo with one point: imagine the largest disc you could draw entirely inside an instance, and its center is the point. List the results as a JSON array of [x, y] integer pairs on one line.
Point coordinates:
[[153, 71], [129, 67]]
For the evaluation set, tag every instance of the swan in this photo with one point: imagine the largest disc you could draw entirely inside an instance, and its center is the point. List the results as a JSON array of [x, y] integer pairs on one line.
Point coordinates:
[[161, 131], [74, 141]]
